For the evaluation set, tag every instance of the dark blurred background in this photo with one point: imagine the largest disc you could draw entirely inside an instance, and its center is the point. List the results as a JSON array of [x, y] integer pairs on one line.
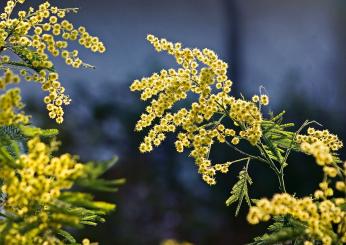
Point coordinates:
[[295, 49]]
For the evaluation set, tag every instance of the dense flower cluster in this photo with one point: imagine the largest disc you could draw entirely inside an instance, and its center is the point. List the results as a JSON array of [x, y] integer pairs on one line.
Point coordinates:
[[320, 214], [203, 76], [248, 114], [320, 144], [39, 178], [8, 77], [10, 108], [10, 101], [36, 183], [36, 35], [318, 217]]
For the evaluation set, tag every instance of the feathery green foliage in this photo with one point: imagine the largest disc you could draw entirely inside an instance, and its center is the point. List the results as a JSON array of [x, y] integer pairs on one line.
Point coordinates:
[[283, 230], [240, 189]]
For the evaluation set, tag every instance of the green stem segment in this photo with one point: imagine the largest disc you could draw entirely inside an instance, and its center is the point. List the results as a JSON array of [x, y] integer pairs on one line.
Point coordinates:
[[282, 180], [279, 173]]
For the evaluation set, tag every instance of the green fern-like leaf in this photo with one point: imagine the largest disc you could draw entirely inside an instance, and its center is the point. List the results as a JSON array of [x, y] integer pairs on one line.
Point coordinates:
[[13, 140], [31, 131], [25, 52], [240, 190], [10, 132], [12, 144], [284, 230], [92, 181]]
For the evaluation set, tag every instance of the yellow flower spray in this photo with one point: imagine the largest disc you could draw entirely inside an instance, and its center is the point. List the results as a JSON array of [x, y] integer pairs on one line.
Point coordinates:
[[31, 38], [214, 115], [38, 201]]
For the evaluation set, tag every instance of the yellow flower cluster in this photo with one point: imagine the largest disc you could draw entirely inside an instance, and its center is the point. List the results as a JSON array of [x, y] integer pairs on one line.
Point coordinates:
[[248, 114], [320, 144], [325, 190], [10, 106], [319, 217], [8, 77], [36, 182], [34, 35], [39, 177], [30, 237], [201, 125]]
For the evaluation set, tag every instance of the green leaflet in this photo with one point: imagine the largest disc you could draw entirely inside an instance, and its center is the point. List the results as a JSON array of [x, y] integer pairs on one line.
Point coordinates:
[[12, 144], [68, 237], [284, 229], [85, 201], [13, 139], [277, 139], [31, 131], [91, 180], [24, 53], [240, 190], [287, 230]]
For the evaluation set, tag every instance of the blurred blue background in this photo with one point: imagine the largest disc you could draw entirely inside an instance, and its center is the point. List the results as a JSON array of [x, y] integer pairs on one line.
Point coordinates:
[[295, 49]]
